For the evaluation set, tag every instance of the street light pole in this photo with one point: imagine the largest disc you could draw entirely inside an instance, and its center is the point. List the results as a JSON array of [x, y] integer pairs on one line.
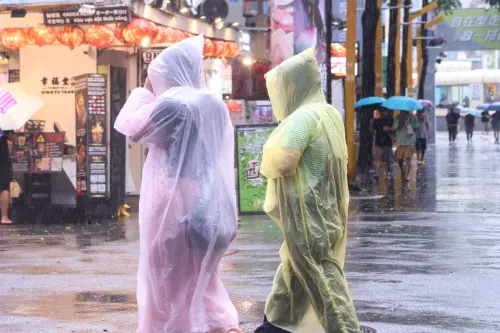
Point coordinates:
[[378, 54], [350, 87]]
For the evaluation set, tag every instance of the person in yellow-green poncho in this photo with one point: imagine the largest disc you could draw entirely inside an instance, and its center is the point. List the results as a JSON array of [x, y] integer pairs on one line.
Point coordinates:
[[305, 162]]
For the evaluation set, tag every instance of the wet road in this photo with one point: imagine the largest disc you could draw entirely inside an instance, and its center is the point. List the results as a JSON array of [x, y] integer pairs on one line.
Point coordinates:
[[423, 258]]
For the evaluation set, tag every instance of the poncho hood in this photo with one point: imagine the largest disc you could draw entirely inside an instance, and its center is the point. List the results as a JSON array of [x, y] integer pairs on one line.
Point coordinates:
[[295, 82], [180, 65]]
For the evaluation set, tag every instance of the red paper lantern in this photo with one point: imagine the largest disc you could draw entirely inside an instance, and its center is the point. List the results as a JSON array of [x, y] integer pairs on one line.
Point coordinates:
[[138, 30], [71, 36], [163, 35], [179, 36], [234, 49], [208, 48], [100, 36], [13, 38], [42, 35], [220, 48]]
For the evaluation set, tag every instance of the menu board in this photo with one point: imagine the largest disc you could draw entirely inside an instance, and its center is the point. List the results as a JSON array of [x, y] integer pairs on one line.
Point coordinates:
[[38, 152], [21, 152], [47, 152], [250, 140], [91, 135]]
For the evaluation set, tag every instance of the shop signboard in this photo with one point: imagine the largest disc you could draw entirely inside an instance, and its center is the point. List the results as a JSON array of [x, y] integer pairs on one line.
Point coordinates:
[[470, 29], [102, 15], [250, 140], [91, 135], [145, 57]]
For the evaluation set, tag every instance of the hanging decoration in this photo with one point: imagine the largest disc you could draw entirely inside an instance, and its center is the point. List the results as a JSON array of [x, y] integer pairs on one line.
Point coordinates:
[[13, 38], [162, 36], [139, 30], [179, 36], [119, 28], [208, 48], [100, 36], [71, 36], [233, 106], [42, 35], [234, 49], [220, 48]]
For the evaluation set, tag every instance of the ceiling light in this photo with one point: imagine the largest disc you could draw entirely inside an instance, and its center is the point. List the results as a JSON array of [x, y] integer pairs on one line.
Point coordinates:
[[235, 24], [218, 20], [202, 17], [184, 10]]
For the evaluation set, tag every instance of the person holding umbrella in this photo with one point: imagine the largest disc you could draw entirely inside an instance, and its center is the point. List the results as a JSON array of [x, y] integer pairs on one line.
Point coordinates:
[[383, 142], [405, 126], [5, 176], [469, 121], [452, 119], [16, 107], [495, 125]]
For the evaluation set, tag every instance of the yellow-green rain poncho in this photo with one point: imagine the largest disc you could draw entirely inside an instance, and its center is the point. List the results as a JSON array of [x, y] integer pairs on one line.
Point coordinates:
[[305, 161]]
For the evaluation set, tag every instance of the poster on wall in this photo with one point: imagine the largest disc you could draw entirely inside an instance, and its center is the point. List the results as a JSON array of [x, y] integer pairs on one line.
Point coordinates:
[[20, 153], [81, 134], [47, 152], [250, 140], [281, 31], [145, 58], [91, 135], [310, 32]]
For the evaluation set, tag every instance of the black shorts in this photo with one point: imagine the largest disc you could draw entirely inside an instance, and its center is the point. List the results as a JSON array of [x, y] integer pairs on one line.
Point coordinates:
[[5, 177], [421, 144]]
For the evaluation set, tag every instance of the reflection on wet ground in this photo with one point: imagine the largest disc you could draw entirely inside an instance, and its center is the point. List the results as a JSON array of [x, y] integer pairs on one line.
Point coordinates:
[[423, 258]]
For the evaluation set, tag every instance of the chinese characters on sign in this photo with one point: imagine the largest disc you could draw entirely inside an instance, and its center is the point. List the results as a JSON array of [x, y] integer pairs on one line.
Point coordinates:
[[483, 28], [55, 85], [101, 16]]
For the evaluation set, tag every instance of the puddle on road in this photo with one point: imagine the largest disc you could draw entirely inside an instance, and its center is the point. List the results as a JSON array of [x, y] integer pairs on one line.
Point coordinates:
[[84, 306]]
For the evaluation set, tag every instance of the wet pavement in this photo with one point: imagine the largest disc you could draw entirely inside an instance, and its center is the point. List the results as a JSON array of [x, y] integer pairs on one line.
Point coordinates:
[[424, 257]]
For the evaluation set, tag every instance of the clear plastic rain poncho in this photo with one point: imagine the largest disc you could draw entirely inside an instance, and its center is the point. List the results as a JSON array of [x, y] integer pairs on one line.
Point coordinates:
[[305, 161], [187, 208]]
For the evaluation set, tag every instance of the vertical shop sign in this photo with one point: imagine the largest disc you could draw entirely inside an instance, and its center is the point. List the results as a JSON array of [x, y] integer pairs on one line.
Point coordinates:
[[81, 134], [97, 138], [91, 135], [251, 185]]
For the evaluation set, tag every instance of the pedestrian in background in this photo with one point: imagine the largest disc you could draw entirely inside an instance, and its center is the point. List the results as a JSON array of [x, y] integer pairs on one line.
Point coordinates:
[[469, 122], [383, 142], [423, 133], [495, 125], [406, 126], [187, 212], [5, 175], [485, 119], [452, 119], [305, 163]]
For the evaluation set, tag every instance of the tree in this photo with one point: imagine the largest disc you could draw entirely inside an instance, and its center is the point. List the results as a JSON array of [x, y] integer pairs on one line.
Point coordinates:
[[391, 52], [425, 54], [369, 20], [404, 54]]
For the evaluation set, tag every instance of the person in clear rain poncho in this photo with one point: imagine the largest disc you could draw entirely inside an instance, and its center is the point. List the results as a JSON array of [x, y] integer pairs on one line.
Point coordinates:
[[188, 208], [305, 162]]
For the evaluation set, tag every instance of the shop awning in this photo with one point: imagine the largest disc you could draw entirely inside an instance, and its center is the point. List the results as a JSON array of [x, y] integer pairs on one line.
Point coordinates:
[[479, 76]]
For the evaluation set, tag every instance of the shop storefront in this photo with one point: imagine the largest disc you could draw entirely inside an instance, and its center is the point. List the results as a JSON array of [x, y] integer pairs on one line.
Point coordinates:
[[83, 67]]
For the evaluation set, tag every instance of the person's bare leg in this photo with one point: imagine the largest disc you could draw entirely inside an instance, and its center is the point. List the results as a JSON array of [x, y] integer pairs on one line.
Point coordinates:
[[4, 207]]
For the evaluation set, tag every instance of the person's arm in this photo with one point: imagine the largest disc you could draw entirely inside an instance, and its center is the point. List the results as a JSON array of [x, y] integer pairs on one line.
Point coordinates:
[[428, 126]]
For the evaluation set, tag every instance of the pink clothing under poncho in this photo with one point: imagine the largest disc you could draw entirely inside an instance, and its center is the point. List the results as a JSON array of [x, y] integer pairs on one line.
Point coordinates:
[[188, 202]]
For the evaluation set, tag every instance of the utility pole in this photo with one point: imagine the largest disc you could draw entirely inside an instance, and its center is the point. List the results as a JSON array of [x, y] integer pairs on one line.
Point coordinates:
[[350, 87]]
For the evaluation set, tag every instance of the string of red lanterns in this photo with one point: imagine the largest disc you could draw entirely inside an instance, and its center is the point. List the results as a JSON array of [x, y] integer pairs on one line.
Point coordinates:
[[138, 32]]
